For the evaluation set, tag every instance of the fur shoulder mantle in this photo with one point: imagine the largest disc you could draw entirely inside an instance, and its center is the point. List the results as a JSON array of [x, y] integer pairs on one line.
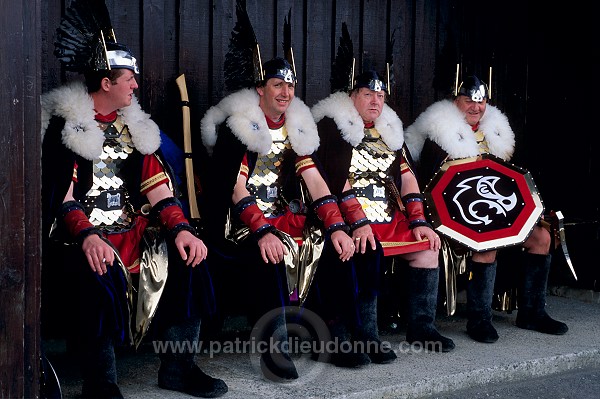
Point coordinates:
[[247, 121], [443, 123], [339, 107], [81, 133]]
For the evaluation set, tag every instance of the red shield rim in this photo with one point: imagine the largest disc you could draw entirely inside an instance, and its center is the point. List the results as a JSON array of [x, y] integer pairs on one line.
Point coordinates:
[[515, 232]]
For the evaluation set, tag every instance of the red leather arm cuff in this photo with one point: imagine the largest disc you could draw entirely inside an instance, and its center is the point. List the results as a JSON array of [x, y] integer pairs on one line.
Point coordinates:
[[415, 210], [352, 210], [329, 213], [76, 221], [171, 216], [251, 215]]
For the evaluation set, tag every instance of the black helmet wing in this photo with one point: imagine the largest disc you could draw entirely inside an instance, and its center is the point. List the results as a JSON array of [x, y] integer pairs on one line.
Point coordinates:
[[342, 69], [81, 37], [242, 62]]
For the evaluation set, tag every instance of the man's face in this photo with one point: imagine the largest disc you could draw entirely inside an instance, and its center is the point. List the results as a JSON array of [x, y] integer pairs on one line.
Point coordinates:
[[368, 103], [472, 110], [275, 97], [121, 90]]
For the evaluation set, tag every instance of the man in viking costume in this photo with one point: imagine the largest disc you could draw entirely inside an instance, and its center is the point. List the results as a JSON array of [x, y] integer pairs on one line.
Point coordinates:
[[108, 200], [364, 158], [260, 139], [368, 170], [467, 126]]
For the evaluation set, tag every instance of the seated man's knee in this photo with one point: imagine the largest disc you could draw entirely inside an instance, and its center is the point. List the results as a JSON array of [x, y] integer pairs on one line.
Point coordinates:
[[426, 259], [539, 241], [484, 257]]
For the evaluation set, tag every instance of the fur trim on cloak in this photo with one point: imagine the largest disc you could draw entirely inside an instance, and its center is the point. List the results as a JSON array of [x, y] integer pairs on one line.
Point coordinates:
[[445, 124], [247, 122], [81, 133], [340, 107]]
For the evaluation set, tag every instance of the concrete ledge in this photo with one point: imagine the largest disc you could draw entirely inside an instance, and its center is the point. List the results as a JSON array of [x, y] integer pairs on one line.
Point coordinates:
[[478, 377], [589, 296], [519, 354]]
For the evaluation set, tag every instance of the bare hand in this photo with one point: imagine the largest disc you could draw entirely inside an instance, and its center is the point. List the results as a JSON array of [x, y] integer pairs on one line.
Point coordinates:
[[422, 232], [361, 236], [343, 244], [196, 250], [98, 252], [272, 248]]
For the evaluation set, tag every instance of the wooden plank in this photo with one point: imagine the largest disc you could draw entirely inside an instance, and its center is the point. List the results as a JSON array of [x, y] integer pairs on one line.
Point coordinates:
[[374, 35], [51, 70], [401, 27], [447, 54], [320, 41], [298, 39], [195, 54], [263, 15], [153, 50], [19, 189], [424, 55], [350, 12], [223, 21], [32, 195], [12, 272]]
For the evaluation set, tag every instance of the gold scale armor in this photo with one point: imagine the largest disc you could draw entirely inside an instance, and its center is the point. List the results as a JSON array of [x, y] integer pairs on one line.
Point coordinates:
[[263, 184], [107, 202], [370, 167]]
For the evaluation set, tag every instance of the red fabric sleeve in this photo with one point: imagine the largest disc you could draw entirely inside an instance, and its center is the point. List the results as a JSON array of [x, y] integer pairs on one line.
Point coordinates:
[[153, 174], [244, 169], [304, 163], [74, 178]]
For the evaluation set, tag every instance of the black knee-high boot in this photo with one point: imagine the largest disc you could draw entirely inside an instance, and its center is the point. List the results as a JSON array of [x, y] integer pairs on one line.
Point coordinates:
[[178, 371], [531, 296], [99, 369], [345, 351], [422, 305], [368, 332], [480, 291], [276, 365]]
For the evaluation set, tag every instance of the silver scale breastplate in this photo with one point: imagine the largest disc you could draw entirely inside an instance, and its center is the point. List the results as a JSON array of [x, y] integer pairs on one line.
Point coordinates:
[[263, 183], [107, 202], [370, 167]]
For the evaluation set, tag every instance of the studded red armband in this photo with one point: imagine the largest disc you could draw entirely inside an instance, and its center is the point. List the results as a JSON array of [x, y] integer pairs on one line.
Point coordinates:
[[329, 213], [76, 221], [415, 211], [352, 210], [250, 214], [171, 216]]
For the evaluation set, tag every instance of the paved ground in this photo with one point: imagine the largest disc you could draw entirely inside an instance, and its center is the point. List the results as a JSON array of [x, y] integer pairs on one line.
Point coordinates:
[[579, 383], [519, 357]]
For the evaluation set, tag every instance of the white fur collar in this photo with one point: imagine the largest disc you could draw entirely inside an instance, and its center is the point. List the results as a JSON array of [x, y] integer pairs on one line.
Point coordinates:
[[339, 107], [443, 123], [81, 133], [247, 122]]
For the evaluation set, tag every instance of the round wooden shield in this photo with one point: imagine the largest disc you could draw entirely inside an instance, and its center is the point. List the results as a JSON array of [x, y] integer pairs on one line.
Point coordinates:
[[483, 202]]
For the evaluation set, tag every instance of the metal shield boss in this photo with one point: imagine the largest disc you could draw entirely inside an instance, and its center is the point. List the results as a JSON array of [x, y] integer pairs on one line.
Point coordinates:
[[483, 202]]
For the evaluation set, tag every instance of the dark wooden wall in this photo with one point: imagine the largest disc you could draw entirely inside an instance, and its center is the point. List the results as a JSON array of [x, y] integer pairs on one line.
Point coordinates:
[[544, 59], [19, 198]]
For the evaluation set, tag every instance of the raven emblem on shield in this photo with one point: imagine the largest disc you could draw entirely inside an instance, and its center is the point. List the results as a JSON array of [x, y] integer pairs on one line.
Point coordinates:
[[484, 201]]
